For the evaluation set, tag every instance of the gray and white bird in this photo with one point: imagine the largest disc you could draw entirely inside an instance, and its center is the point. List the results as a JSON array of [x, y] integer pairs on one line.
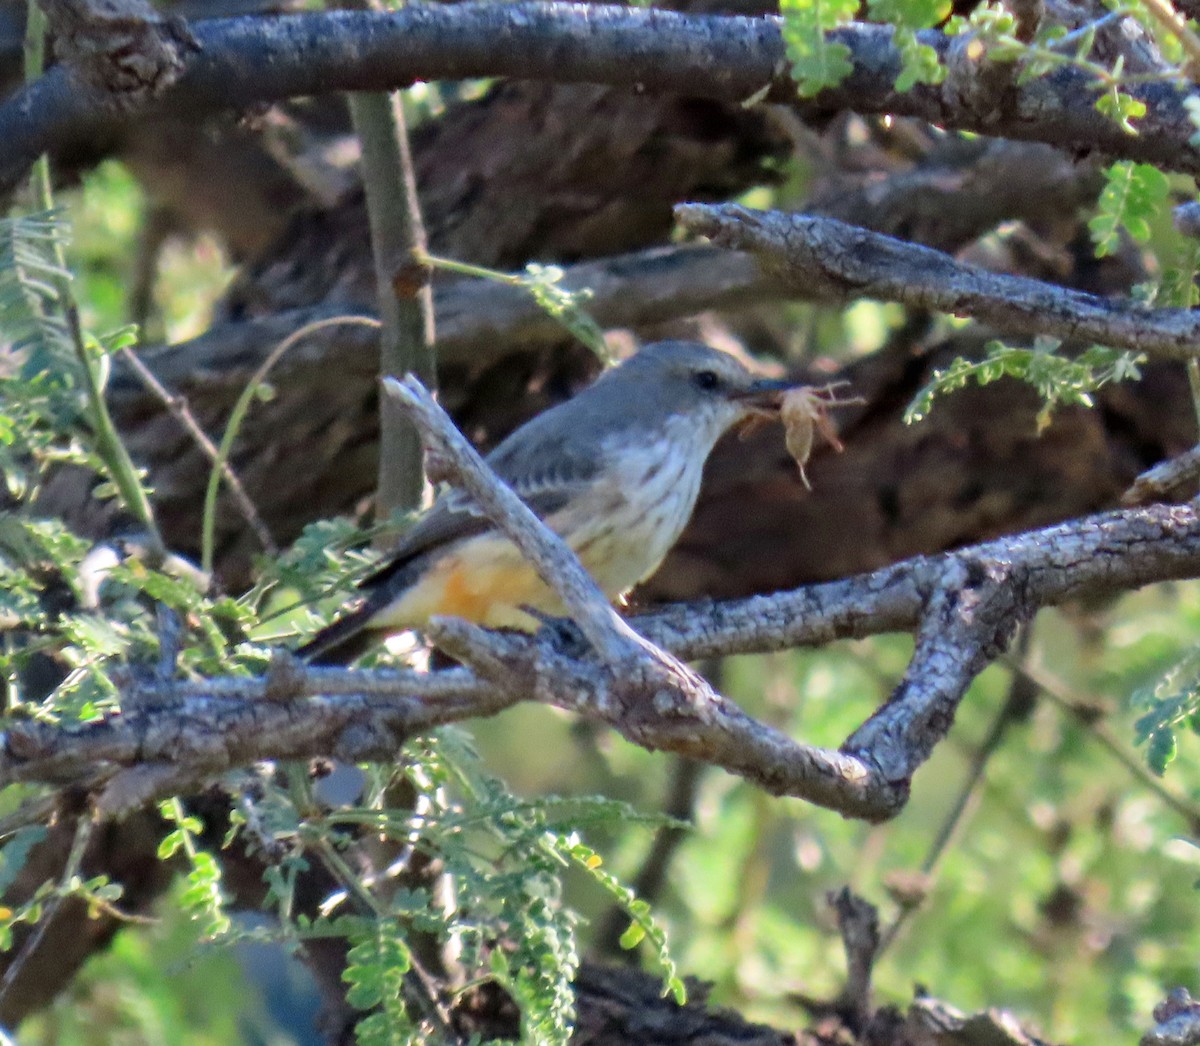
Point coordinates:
[[615, 472]]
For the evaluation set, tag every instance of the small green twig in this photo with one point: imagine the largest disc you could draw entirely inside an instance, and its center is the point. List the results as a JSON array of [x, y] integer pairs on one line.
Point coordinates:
[[238, 415], [542, 283], [402, 286], [461, 268], [1164, 13], [109, 445], [419, 985]]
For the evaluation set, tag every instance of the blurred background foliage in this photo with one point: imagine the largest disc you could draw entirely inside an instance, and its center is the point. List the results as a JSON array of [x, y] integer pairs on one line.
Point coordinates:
[[1064, 884]]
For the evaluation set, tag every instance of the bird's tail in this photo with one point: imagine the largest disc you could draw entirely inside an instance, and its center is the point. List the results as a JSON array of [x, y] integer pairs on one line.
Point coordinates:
[[343, 641]]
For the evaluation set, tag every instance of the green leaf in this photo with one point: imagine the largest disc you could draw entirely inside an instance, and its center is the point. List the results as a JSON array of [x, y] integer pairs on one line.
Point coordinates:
[[1122, 108], [376, 965], [633, 936], [816, 62], [1058, 379], [1173, 703], [1160, 750], [1134, 195], [643, 926], [542, 281], [919, 63], [170, 845], [910, 14], [30, 309], [16, 852]]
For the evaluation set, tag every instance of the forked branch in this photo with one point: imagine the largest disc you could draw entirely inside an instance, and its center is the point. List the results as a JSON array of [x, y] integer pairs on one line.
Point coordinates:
[[964, 607]]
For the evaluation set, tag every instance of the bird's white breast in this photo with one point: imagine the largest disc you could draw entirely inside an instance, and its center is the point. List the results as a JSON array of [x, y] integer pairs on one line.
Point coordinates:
[[628, 522]]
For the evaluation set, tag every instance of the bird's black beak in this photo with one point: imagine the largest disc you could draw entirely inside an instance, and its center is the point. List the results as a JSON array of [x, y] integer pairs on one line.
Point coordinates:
[[765, 395]]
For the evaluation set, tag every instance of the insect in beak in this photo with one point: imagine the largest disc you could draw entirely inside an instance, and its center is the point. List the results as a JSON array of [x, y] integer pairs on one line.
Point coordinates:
[[804, 411]]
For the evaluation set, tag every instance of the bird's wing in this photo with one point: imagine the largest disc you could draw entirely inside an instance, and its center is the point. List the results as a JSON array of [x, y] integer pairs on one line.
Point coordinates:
[[546, 462], [545, 481], [451, 519]]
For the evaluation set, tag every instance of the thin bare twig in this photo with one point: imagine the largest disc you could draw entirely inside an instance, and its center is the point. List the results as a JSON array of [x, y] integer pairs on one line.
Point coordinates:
[[1086, 714], [179, 410], [209, 519]]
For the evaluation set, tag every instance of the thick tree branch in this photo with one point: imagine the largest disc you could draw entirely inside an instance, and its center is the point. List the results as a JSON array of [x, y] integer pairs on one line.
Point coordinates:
[[856, 263], [945, 202], [123, 49], [964, 604], [478, 320], [964, 607], [247, 61]]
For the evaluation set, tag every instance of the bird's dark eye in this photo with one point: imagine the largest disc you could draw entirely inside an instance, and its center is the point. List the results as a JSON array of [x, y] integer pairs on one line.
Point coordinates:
[[706, 380]]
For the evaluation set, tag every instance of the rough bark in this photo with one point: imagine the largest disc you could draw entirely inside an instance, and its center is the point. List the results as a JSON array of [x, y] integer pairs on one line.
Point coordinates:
[[248, 61]]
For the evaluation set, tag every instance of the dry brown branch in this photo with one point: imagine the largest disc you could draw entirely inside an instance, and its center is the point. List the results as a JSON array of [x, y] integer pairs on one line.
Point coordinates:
[[177, 406], [964, 607], [852, 262], [122, 49], [251, 60]]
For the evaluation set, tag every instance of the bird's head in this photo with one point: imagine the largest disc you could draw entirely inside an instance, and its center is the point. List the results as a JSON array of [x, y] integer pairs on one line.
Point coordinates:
[[696, 385]]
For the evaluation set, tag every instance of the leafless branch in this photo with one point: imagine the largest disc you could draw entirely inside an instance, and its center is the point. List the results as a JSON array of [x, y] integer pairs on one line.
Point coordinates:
[[951, 199], [963, 605], [246, 61], [451, 457], [855, 263], [178, 408], [1166, 479], [479, 319]]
